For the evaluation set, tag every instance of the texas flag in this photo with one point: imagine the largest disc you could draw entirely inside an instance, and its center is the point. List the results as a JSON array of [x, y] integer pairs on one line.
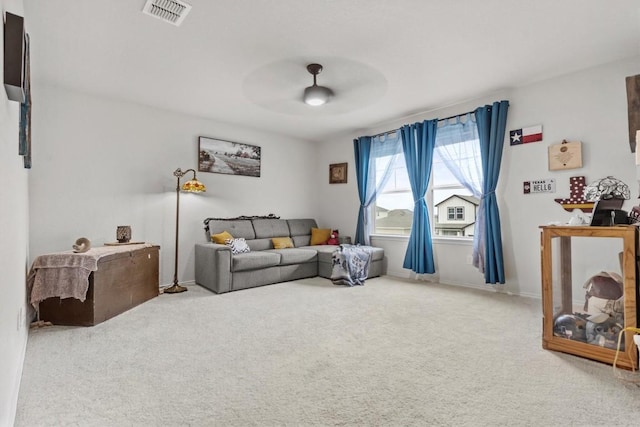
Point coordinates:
[[526, 135]]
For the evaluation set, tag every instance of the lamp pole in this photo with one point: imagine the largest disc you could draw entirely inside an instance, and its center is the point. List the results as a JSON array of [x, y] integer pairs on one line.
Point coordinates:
[[192, 186]]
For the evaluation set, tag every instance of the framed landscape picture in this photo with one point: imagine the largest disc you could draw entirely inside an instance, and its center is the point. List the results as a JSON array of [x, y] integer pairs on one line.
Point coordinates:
[[232, 158]]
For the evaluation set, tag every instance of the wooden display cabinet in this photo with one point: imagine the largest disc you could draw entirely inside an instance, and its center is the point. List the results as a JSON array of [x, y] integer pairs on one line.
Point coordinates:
[[558, 285]]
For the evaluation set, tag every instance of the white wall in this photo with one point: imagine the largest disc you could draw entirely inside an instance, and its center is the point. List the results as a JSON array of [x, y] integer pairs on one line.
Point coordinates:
[[14, 236], [99, 163], [589, 106]]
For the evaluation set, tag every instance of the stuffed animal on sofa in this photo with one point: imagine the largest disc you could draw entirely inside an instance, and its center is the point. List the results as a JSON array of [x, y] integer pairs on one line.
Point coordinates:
[[334, 238]]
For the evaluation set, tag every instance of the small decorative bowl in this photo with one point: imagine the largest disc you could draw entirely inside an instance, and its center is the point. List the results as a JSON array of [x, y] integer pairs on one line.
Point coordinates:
[[82, 245]]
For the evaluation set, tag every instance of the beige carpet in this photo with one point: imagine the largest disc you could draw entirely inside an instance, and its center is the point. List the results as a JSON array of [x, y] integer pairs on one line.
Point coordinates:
[[308, 353]]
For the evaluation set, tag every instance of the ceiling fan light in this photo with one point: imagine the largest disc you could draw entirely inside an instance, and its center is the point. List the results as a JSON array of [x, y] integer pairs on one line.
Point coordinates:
[[317, 95]]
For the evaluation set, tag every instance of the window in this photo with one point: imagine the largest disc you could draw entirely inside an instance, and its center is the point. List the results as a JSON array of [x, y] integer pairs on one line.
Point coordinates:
[[452, 205], [455, 213], [394, 204]]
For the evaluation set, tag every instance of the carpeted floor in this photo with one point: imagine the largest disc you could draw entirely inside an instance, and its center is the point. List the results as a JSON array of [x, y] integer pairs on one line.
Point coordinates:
[[308, 353]]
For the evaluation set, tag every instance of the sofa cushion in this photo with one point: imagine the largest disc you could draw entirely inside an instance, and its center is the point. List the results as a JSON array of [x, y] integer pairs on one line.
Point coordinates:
[[260, 244], [237, 228], [268, 228], [300, 241], [282, 242], [319, 236], [301, 227], [325, 252], [255, 260], [295, 255], [300, 231], [221, 238]]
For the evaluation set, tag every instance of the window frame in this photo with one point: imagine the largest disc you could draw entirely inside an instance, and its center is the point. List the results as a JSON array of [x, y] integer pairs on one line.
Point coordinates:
[[459, 213], [433, 211], [451, 213], [455, 213]]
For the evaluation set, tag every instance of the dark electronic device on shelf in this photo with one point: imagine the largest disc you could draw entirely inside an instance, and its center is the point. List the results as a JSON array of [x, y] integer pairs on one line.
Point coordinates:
[[608, 212]]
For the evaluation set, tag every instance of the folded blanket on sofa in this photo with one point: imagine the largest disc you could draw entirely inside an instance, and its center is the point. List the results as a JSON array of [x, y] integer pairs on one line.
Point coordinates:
[[350, 265]]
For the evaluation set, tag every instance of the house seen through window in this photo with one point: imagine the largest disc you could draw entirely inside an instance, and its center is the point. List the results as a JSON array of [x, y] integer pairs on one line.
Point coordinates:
[[452, 207]]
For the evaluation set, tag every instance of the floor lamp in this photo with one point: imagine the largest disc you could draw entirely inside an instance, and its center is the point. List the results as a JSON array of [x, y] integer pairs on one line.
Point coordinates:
[[191, 186]]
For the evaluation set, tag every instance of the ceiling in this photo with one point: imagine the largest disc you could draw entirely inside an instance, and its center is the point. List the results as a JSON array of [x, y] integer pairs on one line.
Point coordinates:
[[244, 62]]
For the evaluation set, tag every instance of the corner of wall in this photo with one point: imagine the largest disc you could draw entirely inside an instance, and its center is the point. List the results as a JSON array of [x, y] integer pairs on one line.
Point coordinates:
[[13, 248]]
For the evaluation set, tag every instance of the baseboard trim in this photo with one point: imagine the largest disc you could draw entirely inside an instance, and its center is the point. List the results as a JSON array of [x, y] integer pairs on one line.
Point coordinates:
[[403, 274], [18, 379], [183, 283], [407, 275]]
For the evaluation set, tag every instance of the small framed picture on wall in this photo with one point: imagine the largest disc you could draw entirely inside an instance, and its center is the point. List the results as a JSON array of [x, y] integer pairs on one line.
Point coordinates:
[[338, 173]]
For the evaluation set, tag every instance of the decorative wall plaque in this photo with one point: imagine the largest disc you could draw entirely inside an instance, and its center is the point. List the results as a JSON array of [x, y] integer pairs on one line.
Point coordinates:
[[576, 198], [539, 186], [567, 155]]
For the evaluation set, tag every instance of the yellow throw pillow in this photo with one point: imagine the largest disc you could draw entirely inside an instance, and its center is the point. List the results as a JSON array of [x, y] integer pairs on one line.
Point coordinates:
[[319, 236], [221, 237], [282, 242]]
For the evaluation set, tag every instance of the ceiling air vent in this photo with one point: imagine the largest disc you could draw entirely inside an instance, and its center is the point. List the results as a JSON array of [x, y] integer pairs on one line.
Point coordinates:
[[171, 11]]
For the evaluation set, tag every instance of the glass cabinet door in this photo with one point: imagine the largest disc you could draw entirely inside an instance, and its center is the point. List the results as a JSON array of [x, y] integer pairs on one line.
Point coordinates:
[[589, 291]]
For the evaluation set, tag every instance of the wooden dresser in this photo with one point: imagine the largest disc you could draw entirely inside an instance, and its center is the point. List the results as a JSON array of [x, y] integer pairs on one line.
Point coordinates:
[[122, 281]]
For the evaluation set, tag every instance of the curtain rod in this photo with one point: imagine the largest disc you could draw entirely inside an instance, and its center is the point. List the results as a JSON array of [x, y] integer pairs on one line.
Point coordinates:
[[456, 115], [389, 132]]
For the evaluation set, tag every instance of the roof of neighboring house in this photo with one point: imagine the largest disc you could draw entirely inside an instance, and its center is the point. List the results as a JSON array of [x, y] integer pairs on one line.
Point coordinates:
[[469, 199], [454, 226], [397, 218]]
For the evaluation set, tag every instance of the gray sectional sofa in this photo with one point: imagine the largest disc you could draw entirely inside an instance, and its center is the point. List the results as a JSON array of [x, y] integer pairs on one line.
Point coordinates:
[[221, 271]]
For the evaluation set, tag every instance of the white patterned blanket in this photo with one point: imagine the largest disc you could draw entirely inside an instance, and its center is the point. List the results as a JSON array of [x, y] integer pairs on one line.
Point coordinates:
[[350, 265]]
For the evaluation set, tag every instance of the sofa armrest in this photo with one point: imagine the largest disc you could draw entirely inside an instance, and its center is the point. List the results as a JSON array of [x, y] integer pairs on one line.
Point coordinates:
[[213, 267], [344, 240]]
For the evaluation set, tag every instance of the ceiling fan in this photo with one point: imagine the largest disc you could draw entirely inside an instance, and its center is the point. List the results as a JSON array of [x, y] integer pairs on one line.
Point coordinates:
[[315, 95], [280, 86]]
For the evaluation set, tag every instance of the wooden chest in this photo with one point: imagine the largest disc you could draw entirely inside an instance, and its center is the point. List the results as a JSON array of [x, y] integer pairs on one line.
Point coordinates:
[[122, 281]]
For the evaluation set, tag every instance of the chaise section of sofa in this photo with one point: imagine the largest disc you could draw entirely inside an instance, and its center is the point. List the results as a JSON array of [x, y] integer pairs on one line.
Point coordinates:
[[219, 270]]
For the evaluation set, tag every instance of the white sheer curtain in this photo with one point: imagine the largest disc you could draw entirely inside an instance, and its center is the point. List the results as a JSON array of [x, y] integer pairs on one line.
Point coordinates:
[[458, 145], [385, 152], [376, 170]]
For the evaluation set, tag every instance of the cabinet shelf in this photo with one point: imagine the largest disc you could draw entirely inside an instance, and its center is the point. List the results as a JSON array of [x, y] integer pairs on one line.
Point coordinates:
[[558, 293]]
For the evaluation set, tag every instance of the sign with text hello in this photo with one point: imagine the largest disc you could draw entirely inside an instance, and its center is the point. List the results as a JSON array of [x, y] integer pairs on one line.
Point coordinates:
[[539, 186]]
